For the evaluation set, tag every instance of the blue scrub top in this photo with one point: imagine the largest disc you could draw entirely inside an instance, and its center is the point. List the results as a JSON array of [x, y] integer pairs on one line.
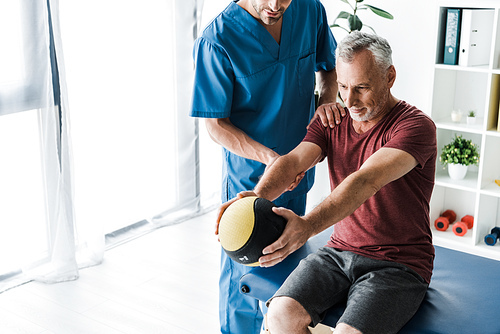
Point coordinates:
[[265, 88]]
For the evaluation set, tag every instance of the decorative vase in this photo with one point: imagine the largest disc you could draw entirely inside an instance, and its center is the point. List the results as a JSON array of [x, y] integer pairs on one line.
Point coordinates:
[[471, 120], [457, 171], [456, 116]]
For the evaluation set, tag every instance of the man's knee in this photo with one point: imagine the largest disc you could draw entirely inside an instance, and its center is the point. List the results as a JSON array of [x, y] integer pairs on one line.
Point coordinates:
[[286, 314]]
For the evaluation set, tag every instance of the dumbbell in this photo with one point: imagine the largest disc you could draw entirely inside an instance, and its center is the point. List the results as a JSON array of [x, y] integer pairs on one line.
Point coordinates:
[[447, 218], [491, 239], [461, 227]]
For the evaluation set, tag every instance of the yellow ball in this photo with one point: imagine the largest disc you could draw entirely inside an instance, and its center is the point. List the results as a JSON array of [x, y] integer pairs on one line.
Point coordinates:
[[247, 227]]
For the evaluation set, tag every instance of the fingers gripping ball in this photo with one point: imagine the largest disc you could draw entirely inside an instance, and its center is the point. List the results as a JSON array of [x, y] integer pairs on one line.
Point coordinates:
[[247, 227]]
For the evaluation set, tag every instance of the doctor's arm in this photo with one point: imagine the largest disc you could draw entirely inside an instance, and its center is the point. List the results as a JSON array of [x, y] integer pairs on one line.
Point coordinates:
[[223, 132]]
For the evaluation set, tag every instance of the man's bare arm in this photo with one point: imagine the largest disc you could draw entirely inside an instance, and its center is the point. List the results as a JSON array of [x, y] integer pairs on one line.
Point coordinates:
[[385, 166], [285, 169]]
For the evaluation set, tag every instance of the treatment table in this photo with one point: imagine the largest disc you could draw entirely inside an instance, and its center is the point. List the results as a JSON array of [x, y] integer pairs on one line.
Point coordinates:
[[463, 296]]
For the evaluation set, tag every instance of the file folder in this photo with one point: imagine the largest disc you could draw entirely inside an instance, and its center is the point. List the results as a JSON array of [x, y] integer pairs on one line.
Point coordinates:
[[475, 37], [452, 36]]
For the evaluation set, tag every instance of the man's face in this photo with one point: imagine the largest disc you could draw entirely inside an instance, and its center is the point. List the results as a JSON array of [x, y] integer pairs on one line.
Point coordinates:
[[364, 88], [270, 11]]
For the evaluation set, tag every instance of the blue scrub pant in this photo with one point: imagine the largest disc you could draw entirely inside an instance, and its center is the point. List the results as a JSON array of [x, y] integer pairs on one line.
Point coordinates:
[[238, 313]]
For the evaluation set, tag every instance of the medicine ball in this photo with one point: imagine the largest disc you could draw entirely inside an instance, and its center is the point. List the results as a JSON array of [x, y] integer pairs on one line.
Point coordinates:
[[247, 227]]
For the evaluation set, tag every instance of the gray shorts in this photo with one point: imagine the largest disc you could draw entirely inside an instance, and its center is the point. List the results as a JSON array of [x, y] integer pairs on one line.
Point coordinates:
[[381, 296]]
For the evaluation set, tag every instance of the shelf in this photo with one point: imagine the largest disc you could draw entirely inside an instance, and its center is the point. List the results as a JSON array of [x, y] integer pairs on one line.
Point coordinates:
[[492, 189], [492, 252], [466, 243], [493, 133], [446, 123], [449, 238], [469, 183], [479, 69], [468, 88]]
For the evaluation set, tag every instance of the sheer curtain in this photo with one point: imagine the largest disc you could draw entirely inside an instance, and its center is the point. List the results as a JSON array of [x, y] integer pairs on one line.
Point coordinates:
[[128, 160], [37, 224]]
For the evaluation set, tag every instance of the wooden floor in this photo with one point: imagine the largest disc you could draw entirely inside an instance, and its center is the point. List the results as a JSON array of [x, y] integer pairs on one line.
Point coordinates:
[[163, 282]]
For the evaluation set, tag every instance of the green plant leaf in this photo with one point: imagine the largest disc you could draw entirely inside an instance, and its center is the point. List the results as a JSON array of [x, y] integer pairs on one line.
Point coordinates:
[[367, 26], [380, 12], [337, 26], [343, 15], [355, 23]]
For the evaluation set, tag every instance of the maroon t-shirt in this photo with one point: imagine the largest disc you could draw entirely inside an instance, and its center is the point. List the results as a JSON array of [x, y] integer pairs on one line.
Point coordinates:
[[393, 224]]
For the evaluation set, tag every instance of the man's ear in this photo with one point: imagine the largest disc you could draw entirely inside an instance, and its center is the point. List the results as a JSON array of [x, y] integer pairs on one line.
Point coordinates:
[[391, 76]]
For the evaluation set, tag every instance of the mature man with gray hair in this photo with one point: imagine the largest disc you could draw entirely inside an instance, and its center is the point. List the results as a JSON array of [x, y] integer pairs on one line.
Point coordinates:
[[381, 162]]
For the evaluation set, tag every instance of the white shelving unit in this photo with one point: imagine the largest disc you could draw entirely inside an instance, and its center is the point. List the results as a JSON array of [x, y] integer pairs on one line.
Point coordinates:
[[465, 88]]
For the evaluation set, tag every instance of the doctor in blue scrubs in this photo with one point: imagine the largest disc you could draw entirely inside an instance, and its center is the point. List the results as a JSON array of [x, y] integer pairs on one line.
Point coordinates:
[[256, 66]]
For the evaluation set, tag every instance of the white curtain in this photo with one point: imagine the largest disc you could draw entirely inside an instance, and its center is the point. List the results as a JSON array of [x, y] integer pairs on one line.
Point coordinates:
[[41, 243], [127, 163]]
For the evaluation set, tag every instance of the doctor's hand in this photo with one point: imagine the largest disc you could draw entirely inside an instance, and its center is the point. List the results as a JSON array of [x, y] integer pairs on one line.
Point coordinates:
[[224, 206], [329, 113], [296, 233]]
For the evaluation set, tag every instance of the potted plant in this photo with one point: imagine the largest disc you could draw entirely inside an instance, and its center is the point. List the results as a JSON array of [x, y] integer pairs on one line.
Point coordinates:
[[458, 155], [471, 117]]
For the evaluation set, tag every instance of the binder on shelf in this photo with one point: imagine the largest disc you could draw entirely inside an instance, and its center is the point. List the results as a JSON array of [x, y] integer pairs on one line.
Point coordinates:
[[494, 105], [475, 37], [498, 119], [452, 36]]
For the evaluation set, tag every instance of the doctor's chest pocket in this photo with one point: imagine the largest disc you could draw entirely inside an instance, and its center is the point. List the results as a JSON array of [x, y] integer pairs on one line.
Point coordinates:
[[305, 72]]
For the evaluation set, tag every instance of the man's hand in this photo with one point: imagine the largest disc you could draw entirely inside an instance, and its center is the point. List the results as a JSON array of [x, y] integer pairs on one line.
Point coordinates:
[[296, 233], [224, 206], [329, 113]]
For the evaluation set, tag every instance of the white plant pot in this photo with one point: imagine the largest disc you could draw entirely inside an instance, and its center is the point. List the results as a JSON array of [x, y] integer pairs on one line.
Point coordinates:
[[471, 120], [457, 171]]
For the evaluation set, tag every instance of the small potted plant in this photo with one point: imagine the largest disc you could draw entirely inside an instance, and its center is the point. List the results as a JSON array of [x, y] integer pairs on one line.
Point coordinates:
[[471, 117], [458, 155]]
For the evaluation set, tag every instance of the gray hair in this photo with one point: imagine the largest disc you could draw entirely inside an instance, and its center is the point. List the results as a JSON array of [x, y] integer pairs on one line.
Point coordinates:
[[358, 41]]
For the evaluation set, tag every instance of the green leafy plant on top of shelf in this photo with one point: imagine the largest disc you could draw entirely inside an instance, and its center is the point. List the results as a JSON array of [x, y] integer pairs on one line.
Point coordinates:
[[460, 151], [471, 113], [352, 18]]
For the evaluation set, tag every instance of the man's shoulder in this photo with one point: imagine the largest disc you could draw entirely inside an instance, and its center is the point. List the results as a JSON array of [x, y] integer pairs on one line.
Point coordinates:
[[410, 112]]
